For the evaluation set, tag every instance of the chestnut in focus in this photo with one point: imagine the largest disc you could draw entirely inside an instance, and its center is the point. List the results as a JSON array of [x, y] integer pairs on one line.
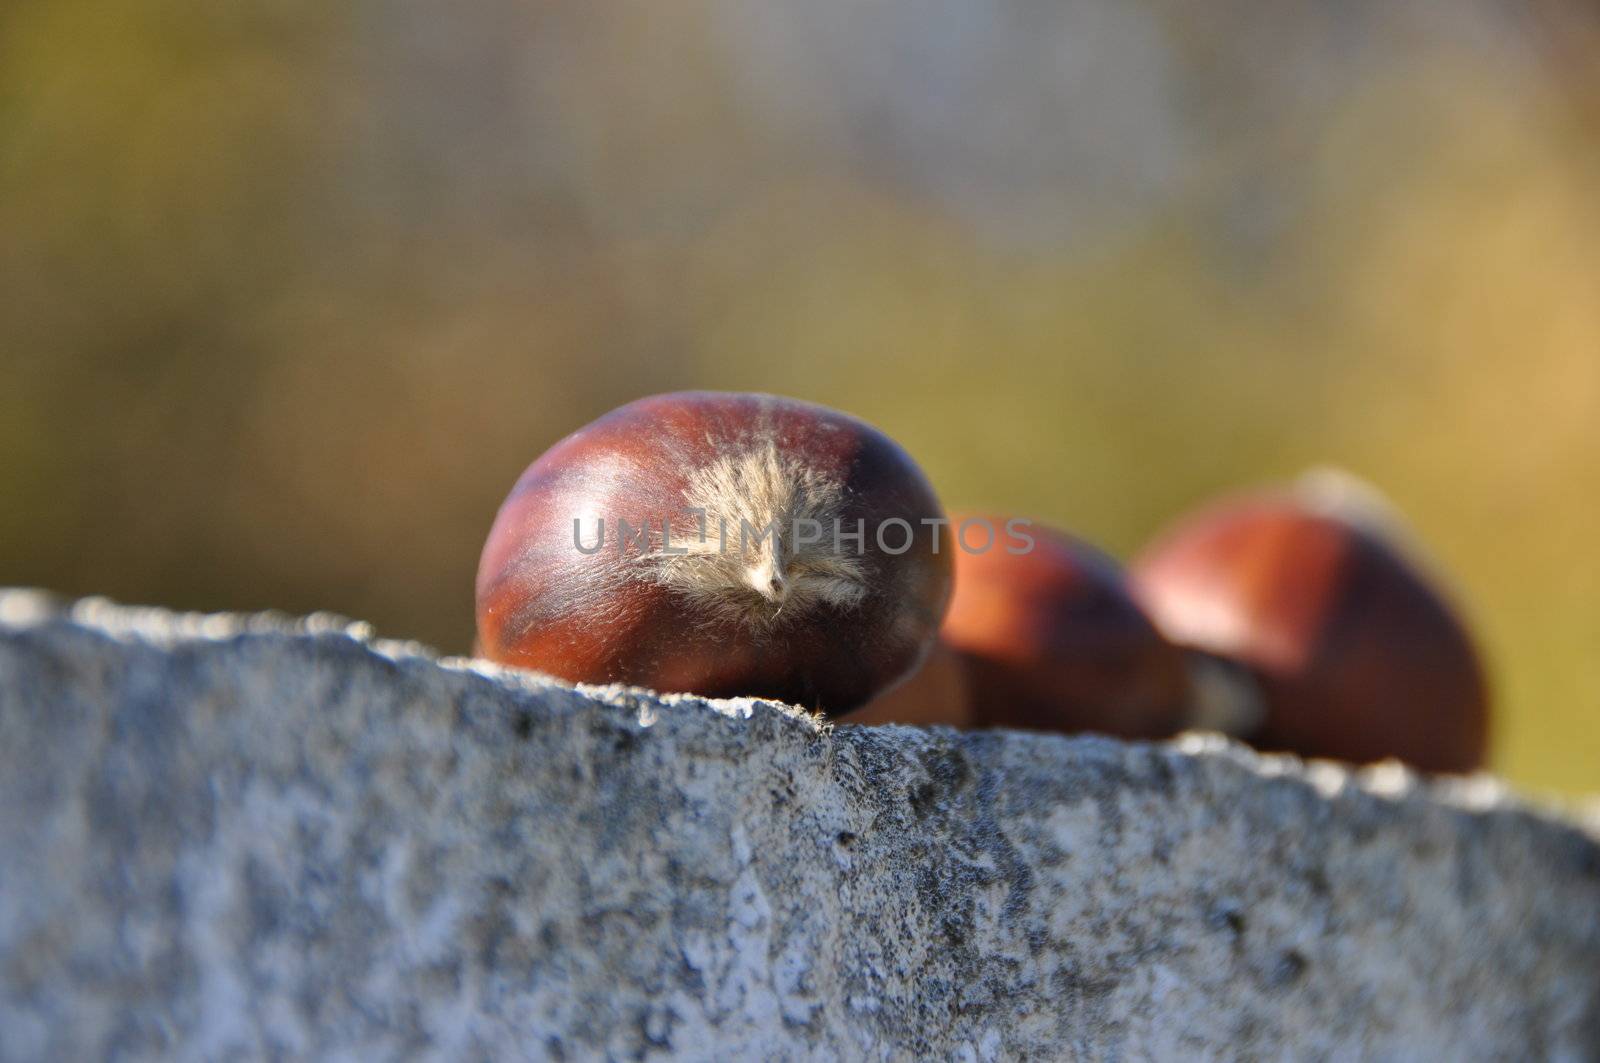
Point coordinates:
[[718, 544], [1050, 637], [1354, 651]]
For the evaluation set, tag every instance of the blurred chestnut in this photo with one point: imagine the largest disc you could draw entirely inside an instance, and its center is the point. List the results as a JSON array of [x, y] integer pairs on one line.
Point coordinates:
[[935, 693], [1354, 651], [720, 544], [1050, 637]]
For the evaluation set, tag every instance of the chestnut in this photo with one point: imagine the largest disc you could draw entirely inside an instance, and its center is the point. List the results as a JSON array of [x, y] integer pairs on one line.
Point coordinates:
[[935, 693], [1353, 650], [719, 544], [1050, 637]]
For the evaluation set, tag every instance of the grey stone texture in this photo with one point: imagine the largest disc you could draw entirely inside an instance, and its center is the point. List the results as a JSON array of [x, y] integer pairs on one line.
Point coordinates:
[[242, 837]]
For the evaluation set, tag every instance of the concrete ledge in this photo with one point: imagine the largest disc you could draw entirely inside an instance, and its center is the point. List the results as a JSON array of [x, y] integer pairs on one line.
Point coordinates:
[[258, 836]]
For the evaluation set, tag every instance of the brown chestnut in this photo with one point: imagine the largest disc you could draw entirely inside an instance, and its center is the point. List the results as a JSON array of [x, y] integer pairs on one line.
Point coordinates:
[[1355, 653], [1050, 637], [935, 693], [718, 544]]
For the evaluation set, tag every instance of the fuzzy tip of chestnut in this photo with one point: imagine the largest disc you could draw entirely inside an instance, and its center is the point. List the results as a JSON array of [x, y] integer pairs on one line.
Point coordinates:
[[1312, 603], [718, 544]]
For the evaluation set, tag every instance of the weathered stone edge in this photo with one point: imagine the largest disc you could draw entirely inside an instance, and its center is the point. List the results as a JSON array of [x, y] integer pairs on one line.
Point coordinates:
[[23, 607]]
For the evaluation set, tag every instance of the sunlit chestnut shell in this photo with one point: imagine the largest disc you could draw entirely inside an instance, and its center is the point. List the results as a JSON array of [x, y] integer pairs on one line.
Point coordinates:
[[1050, 638], [1357, 654], [715, 605]]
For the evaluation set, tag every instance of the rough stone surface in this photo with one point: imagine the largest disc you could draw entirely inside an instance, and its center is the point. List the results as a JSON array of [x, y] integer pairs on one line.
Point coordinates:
[[239, 837]]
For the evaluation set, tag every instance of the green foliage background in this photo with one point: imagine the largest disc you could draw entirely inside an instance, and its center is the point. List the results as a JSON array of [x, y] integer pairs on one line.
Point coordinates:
[[290, 292]]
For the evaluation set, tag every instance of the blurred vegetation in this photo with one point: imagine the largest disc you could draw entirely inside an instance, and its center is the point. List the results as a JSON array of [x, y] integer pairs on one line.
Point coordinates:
[[290, 292]]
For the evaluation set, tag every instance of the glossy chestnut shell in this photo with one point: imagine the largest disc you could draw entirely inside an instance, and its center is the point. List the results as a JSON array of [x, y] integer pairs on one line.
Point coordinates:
[[706, 600], [1356, 652], [1052, 639]]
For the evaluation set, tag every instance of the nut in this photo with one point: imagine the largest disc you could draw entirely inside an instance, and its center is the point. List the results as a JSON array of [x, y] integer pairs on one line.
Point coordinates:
[[720, 544]]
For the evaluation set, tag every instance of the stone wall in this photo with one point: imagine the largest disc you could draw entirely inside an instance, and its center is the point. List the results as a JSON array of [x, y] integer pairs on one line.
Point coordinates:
[[257, 836]]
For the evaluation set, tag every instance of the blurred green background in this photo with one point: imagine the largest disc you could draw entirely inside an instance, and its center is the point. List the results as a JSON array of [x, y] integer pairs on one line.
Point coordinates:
[[291, 291]]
